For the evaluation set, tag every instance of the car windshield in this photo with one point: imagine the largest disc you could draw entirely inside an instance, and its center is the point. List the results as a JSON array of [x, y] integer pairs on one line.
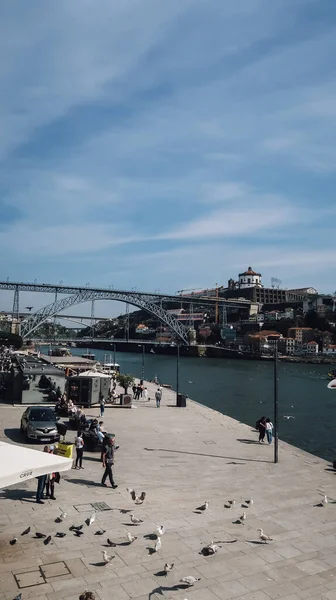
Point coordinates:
[[41, 415]]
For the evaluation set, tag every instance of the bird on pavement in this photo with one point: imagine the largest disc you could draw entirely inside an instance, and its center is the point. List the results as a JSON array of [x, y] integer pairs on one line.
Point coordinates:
[[75, 527], [203, 506], [26, 531], [131, 538], [107, 558], [47, 540], [63, 515], [168, 567], [243, 517], [135, 520], [189, 580], [232, 502], [92, 519], [249, 502], [110, 543], [100, 532], [264, 538], [40, 535], [160, 530], [158, 544], [78, 532], [13, 541], [60, 534], [210, 549], [136, 499], [18, 597], [325, 500]]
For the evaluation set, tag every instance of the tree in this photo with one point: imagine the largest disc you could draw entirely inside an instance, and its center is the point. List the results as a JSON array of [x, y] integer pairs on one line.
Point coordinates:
[[125, 381]]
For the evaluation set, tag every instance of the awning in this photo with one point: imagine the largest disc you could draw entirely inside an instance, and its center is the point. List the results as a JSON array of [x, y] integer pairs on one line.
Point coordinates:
[[332, 384], [18, 464], [93, 373]]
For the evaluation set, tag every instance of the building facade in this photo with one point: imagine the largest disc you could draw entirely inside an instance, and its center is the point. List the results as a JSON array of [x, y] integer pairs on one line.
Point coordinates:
[[249, 279], [301, 334]]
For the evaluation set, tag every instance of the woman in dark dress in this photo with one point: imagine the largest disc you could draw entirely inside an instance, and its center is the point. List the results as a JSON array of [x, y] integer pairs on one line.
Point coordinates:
[[261, 427]]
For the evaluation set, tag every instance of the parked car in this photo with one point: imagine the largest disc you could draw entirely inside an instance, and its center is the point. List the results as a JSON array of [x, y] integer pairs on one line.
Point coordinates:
[[40, 423]]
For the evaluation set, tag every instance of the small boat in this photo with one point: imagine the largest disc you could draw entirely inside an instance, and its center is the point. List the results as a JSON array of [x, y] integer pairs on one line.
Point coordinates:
[[152, 351], [109, 367], [88, 355]]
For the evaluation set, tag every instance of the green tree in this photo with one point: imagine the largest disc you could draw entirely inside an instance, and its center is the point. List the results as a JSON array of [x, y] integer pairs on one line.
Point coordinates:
[[125, 381]]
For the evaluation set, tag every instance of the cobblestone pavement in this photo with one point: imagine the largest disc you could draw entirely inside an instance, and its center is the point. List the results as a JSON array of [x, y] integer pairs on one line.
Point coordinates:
[[180, 457]]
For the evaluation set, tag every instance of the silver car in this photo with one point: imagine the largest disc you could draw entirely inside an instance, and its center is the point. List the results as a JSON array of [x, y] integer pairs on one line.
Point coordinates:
[[39, 423]]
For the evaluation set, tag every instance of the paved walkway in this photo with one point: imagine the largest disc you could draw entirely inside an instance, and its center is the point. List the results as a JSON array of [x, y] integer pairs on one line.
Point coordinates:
[[180, 457]]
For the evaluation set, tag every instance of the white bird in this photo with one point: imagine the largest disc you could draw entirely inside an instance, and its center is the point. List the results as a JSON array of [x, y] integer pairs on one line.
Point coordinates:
[[63, 515], [136, 499], [250, 501], [189, 580], [204, 506], [232, 502], [168, 567], [212, 548], [107, 558], [158, 545], [135, 520], [243, 517], [325, 500], [92, 518], [131, 538], [264, 538], [160, 530]]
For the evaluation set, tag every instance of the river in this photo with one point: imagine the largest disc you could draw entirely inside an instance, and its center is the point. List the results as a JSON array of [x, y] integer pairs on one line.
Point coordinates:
[[244, 390]]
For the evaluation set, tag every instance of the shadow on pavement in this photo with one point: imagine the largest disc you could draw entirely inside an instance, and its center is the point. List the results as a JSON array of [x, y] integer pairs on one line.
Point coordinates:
[[83, 482], [15, 435], [243, 441], [17, 494], [208, 455]]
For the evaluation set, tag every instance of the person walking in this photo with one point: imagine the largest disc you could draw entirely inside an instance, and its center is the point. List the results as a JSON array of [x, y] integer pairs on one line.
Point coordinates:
[[102, 406], [261, 426], [108, 462], [146, 394], [158, 397], [50, 480], [79, 445], [269, 430], [41, 480]]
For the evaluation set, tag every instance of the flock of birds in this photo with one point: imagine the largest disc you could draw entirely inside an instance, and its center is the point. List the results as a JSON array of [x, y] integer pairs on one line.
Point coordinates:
[[208, 550]]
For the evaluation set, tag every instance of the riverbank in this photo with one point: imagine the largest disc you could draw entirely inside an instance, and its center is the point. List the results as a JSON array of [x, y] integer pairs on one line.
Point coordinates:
[[180, 457]]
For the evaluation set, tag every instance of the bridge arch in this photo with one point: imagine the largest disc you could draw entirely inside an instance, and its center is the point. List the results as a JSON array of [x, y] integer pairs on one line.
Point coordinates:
[[142, 301]]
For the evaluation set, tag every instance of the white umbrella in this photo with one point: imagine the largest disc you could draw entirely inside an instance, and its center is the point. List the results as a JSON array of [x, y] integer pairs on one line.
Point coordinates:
[[332, 384], [18, 464]]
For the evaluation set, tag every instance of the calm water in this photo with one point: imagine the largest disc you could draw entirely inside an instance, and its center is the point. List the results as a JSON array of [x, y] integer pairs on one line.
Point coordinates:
[[244, 390]]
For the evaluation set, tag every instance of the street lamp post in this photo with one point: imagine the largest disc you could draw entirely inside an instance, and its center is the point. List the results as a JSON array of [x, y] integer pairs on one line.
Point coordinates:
[[114, 354], [275, 397], [177, 372], [143, 363]]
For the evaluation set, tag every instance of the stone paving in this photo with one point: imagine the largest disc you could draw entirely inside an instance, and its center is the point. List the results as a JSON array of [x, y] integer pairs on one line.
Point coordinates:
[[180, 457]]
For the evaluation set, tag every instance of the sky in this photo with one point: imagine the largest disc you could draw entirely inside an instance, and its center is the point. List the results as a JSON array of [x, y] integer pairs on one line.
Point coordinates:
[[168, 145]]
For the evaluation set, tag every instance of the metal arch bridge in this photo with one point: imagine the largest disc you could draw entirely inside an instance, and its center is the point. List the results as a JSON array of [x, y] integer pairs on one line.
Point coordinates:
[[151, 303]]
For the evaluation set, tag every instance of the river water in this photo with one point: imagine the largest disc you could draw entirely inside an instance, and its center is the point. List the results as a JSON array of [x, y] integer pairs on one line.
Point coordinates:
[[244, 390]]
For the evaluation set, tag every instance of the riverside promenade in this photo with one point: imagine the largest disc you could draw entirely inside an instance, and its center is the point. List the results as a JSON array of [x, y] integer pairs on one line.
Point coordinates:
[[180, 457]]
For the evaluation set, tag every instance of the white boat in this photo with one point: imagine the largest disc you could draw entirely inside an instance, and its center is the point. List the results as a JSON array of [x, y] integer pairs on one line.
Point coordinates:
[[110, 367], [88, 355]]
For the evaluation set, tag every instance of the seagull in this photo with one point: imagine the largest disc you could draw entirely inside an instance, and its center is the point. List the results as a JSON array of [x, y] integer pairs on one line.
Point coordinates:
[[136, 499], [131, 538], [249, 502], [203, 506], [264, 538], [168, 567], [63, 515], [160, 530], [232, 502], [13, 541], [243, 517], [100, 532], [325, 500], [26, 531], [60, 534], [107, 558], [47, 540], [189, 580], [110, 543], [210, 549], [92, 519], [158, 544], [135, 520], [40, 535]]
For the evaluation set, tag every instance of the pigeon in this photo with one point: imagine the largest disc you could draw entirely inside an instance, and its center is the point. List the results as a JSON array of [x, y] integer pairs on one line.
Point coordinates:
[[243, 517], [13, 541], [26, 531], [75, 527], [210, 549], [264, 538], [135, 520], [47, 540], [78, 532], [136, 499], [39, 535], [249, 502], [204, 506], [60, 534], [91, 519], [189, 580], [158, 545], [160, 530], [131, 538], [107, 558], [232, 502], [110, 543], [324, 500], [100, 532], [168, 567], [18, 597]]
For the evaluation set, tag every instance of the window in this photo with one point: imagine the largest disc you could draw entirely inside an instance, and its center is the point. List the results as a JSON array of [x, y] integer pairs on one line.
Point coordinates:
[[249, 280]]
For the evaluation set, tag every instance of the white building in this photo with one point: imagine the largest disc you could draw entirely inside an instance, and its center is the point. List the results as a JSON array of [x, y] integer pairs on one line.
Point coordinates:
[[311, 348], [249, 279], [330, 350]]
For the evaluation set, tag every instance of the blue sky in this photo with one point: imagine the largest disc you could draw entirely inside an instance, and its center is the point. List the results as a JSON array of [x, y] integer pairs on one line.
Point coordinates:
[[168, 145]]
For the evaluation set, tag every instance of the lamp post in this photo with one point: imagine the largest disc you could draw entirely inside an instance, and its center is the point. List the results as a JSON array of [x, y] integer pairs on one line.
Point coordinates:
[[143, 363], [275, 397], [177, 372], [114, 354]]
